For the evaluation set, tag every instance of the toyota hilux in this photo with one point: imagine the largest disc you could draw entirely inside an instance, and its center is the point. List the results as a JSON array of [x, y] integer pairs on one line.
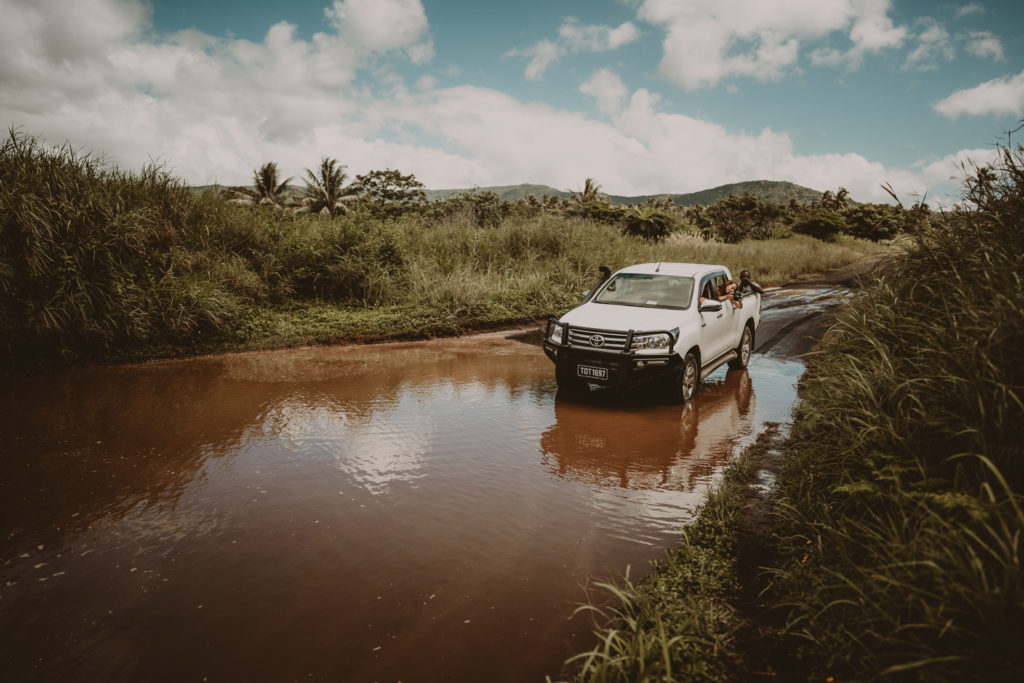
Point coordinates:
[[665, 325]]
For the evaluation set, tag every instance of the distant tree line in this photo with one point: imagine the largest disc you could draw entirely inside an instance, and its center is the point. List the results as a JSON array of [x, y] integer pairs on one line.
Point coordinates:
[[389, 193]]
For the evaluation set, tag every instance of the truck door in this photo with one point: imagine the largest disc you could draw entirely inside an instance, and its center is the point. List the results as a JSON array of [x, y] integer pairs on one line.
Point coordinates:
[[716, 326], [735, 315]]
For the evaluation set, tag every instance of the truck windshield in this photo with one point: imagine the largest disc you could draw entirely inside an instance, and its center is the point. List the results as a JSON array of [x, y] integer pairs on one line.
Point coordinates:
[[650, 291]]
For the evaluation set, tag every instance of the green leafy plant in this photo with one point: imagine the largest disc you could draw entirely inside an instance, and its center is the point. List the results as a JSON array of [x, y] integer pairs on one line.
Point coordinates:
[[325, 190], [648, 223], [820, 223]]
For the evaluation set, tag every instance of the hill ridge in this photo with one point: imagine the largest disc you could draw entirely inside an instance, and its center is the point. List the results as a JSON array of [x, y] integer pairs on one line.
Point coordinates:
[[774, 190]]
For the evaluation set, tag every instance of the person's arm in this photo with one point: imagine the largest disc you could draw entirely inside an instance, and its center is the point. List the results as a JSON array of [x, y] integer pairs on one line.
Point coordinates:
[[754, 287]]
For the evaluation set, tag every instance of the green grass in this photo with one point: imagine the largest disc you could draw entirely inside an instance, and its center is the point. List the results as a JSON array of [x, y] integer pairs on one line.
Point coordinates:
[[907, 470]]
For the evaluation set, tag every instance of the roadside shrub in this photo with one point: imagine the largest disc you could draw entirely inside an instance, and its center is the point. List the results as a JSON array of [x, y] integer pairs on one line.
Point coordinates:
[[87, 254], [875, 221], [599, 212], [820, 223], [484, 209], [653, 225], [739, 217]]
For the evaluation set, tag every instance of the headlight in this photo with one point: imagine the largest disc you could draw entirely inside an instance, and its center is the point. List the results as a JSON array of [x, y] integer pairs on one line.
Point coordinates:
[[651, 341], [556, 335]]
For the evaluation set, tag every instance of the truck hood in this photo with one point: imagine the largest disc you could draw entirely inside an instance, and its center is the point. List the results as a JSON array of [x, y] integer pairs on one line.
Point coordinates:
[[612, 317]]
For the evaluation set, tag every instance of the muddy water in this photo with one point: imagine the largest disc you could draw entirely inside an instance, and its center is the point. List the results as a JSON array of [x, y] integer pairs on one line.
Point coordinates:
[[400, 512]]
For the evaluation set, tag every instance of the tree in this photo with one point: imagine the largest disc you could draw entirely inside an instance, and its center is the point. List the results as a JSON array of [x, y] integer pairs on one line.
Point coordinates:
[[390, 192], [591, 192], [649, 223], [834, 202], [820, 223], [551, 203], [266, 191], [325, 190], [483, 208], [875, 221], [740, 217]]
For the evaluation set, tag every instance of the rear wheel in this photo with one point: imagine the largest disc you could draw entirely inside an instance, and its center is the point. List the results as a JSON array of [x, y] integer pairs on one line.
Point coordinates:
[[685, 380], [744, 350]]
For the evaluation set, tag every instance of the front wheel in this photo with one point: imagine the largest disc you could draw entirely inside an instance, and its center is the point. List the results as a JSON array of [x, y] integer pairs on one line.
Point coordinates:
[[685, 381], [744, 350]]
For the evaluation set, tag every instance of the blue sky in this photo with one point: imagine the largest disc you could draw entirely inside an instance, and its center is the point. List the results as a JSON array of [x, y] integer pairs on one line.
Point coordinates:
[[645, 96]]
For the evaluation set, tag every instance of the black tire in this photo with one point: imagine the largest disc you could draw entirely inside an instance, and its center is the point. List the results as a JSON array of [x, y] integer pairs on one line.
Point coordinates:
[[743, 351], [685, 381]]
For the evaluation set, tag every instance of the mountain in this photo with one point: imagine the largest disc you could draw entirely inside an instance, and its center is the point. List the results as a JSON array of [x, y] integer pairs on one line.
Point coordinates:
[[775, 190], [509, 193]]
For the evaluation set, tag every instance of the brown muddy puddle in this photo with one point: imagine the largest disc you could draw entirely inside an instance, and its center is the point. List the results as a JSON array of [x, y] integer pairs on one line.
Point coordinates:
[[413, 512]]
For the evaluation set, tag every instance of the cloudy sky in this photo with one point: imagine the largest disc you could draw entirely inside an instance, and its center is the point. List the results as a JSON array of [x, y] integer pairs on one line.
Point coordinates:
[[646, 96]]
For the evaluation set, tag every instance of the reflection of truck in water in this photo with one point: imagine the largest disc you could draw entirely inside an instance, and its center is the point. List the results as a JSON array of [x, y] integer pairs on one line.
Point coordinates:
[[659, 323], [651, 447]]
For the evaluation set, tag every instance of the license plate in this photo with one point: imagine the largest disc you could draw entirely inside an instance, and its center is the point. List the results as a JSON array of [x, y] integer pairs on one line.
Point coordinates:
[[591, 372]]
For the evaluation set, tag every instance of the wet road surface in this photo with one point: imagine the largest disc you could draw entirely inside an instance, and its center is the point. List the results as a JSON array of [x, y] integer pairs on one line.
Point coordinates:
[[424, 511]]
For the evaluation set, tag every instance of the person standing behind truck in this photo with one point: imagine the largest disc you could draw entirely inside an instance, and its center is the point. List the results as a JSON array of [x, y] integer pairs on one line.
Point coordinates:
[[747, 284]]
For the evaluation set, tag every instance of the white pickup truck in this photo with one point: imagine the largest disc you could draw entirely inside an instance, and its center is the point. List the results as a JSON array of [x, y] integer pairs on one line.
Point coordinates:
[[659, 323]]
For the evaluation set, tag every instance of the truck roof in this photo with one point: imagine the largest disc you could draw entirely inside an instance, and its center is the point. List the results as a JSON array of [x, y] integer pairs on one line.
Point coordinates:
[[666, 268]]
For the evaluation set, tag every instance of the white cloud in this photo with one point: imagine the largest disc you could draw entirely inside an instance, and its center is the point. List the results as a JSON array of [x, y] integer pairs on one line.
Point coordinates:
[[709, 40], [966, 10], [999, 96], [984, 44], [608, 89], [873, 31], [933, 44], [584, 38], [641, 150], [542, 55], [574, 37], [426, 82], [210, 106], [215, 108], [383, 25]]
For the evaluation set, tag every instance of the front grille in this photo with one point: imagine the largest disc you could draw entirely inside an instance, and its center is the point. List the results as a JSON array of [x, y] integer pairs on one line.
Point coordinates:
[[609, 341]]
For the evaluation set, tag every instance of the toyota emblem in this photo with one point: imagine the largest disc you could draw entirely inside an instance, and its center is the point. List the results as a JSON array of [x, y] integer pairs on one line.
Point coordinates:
[[597, 340]]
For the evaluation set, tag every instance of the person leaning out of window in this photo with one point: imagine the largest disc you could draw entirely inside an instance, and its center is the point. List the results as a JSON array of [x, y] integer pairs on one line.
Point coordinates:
[[730, 292]]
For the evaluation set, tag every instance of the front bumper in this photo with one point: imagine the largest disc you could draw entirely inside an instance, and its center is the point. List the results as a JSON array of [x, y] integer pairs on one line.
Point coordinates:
[[619, 367]]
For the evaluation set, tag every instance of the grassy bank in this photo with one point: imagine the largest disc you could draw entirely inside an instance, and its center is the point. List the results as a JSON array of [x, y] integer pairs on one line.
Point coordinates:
[[681, 623], [897, 521], [99, 265]]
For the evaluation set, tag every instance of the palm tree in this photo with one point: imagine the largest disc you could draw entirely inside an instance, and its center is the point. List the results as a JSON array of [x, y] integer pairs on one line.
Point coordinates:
[[266, 190], [591, 193], [325, 190], [835, 202], [843, 198]]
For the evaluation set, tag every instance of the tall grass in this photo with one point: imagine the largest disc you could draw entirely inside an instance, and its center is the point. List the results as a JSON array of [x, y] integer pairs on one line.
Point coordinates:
[[907, 468], [99, 263]]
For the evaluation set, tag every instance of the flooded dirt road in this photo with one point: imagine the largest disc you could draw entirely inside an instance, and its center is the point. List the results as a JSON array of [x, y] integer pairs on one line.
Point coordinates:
[[415, 512]]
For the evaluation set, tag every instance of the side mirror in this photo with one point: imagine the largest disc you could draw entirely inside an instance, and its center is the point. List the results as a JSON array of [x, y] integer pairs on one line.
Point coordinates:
[[586, 294], [710, 306]]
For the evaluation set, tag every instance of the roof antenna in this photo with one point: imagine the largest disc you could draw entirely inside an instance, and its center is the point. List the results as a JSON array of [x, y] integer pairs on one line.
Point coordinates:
[[658, 269]]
